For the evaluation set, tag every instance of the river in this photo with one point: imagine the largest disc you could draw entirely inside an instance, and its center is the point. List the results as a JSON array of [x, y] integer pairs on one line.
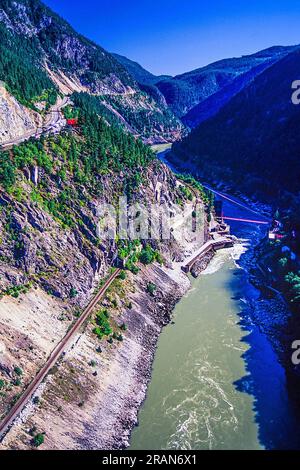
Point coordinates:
[[217, 382]]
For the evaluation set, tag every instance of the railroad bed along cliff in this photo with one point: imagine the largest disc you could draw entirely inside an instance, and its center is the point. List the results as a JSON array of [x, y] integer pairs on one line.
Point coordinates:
[[98, 381], [51, 262]]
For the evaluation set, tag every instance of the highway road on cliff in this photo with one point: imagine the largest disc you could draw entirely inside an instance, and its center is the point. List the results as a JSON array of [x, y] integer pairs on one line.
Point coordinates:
[[54, 122]]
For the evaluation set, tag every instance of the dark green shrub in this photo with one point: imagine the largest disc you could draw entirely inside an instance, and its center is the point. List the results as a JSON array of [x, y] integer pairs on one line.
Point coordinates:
[[103, 326], [147, 255], [73, 293], [38, 440], [134, 269], [151, 288], [18, 371]]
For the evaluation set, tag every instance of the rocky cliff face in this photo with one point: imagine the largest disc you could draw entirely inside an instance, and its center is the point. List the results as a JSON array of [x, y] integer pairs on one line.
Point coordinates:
[[36, 248], [52, 270], [73, 63], [57, 43], [15, 119]]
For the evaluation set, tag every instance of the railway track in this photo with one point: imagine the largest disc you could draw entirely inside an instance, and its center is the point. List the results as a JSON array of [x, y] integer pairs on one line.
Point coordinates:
[[55, 355]]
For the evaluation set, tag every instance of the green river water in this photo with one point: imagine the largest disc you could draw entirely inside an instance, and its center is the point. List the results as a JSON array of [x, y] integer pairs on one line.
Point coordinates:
[[192, 402], [217, 381]]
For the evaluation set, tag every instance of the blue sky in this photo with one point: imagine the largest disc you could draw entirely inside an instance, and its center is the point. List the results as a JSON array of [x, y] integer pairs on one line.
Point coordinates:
[[175, 36]]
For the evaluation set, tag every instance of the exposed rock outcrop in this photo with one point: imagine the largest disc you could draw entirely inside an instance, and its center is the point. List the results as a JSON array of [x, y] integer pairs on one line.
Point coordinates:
[[40, 250], [75, 64], [15, 119], [201, 264]]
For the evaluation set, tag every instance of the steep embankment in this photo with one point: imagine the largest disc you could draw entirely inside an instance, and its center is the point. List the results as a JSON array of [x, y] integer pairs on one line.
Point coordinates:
[[96, 381], [15, 119], [91, 399], [51, 260], [50, 192]]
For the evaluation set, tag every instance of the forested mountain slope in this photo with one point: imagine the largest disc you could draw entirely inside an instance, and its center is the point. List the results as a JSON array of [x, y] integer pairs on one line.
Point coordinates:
[[184, 92], [253, 142], [41, 54], [211, 105], [138, 72]]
